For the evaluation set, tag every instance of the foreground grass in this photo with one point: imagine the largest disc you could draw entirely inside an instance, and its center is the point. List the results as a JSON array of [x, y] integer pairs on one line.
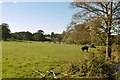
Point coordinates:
[[21, 59]]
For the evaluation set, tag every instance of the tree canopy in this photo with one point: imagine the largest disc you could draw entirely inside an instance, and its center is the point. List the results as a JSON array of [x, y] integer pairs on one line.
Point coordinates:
[[5, 31], [106, 12]]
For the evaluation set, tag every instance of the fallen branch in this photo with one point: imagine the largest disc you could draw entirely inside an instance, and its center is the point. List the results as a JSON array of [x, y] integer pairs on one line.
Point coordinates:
[[40, 73], [47, 74]]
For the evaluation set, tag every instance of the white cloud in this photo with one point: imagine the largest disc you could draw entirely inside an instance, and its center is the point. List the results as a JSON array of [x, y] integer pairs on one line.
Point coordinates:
[[0, 1], [15, 1]]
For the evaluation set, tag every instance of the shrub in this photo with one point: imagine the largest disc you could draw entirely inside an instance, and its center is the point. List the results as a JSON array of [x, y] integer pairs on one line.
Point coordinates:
[[73, 68], [115, 53], [93, 66]]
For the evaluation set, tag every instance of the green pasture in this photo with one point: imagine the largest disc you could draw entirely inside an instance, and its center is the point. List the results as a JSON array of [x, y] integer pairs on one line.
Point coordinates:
[[21, 59]]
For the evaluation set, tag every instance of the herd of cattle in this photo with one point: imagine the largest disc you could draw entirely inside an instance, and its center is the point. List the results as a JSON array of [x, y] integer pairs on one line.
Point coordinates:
[[84, 48]]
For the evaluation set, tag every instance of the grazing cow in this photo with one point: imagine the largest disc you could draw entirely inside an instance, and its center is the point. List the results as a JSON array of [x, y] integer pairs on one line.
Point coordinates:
[[85, 48]]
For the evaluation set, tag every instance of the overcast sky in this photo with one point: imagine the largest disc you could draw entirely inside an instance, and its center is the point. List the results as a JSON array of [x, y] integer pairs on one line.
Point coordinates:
[[32, 16]]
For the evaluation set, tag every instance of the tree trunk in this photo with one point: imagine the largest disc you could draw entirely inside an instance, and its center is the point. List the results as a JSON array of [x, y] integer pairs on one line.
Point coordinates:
[[108, 45], [108, 40]]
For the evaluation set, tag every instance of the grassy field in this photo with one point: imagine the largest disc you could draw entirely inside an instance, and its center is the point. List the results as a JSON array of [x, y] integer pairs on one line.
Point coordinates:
[[21, 59]]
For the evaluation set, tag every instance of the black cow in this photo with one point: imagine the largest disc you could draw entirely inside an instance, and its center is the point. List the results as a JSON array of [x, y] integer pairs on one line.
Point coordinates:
[[85, 48]]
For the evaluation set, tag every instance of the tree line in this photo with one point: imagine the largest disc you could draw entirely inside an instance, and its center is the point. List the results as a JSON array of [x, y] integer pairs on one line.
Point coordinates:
[[37, 36], [77, 34]]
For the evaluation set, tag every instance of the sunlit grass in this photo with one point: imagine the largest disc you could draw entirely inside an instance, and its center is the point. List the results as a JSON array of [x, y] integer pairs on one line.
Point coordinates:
[[21, 59]]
